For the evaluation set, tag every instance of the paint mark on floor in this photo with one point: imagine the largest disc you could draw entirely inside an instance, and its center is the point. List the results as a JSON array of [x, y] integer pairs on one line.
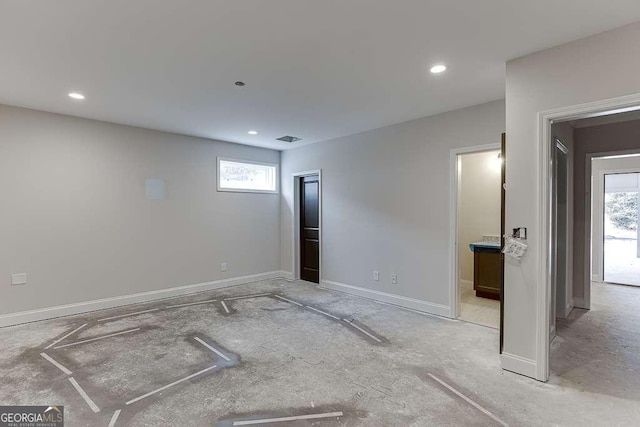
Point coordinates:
[[350, 323], [225, 307], [84, 395], [322, 312], [65, 336], [288, 300], [248, 296], [283, 419], [216, 351], [471, 402], [128, 314], [97, 338], [191, 303], [56, 364], [158, 390], [114, 418]]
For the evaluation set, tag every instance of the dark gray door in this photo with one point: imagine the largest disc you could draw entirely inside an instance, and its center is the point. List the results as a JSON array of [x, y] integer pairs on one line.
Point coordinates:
[[310, 228]]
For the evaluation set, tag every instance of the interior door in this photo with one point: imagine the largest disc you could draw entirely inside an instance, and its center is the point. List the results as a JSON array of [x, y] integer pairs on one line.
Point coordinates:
[[503, 192], [310, 228]]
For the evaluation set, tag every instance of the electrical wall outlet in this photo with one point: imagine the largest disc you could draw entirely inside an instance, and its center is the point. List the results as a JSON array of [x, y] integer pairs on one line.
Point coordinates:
[[19, 279], [223, 266], [376, 276], [394, 279]]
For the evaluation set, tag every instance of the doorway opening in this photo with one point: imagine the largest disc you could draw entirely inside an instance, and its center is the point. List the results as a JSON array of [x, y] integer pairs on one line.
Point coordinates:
[[307, 231], [478, 210], [585, 204], [620, 212]]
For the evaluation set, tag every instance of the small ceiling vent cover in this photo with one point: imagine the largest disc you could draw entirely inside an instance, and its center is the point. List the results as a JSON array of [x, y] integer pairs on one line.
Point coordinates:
[[288, 138]]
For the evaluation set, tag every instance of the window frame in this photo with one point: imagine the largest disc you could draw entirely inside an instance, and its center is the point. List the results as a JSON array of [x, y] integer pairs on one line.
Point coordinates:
[[248, 162]]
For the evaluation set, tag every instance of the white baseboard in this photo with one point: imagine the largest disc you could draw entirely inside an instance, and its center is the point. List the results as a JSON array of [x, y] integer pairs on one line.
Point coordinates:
[[101, 304], [287, 275], [415, 304], [579, 303], [466, 284], [517, 364]]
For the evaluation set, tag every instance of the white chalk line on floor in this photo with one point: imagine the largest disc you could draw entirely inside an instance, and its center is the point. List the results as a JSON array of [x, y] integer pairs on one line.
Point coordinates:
[[128, 314], [97, 338], [216, 351], [424, 313], [322, 312], [350, 323], [288, 300], [56, 364], [114, 418], [471, 402], [65, 336], [225, 307], [151, 393], [248, 296], [84, 395], [191, 303], [293, 418]]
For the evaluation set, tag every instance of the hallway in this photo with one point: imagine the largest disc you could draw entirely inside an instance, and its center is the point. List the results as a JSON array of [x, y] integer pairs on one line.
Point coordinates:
[[598, 350]]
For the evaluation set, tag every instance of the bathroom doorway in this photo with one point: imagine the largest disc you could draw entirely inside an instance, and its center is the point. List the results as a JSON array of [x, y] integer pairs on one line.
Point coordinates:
[[478, 257]]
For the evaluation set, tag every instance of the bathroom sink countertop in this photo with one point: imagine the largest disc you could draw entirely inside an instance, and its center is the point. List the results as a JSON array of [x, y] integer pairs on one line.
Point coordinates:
[[491, 245]]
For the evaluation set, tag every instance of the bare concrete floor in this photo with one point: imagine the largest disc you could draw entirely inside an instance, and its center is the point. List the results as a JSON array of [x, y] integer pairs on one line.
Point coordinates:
[[314, 353]]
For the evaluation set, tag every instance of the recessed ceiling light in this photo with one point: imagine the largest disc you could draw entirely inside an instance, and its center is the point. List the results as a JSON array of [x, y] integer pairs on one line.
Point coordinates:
[[437, 69], [252, 132], [76, 95]]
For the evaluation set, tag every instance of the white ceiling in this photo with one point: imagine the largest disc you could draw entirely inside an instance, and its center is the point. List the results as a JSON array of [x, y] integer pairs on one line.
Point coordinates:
[[314, 69]]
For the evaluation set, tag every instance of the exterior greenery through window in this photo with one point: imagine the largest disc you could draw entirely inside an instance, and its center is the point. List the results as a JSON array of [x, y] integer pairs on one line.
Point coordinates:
[[247, 176]]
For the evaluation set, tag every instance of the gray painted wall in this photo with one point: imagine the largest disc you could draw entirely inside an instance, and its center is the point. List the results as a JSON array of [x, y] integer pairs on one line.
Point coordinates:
[[75, 217], [386, 199], [595, 68]]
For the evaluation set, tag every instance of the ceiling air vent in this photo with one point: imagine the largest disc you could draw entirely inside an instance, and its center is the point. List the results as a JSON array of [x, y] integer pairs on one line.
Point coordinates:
[[288, 138]]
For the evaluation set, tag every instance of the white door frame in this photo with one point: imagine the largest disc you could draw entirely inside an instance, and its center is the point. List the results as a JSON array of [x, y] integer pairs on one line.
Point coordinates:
[[296, 221], [544, 144], [454, 201], [597, 210], [585, 302]]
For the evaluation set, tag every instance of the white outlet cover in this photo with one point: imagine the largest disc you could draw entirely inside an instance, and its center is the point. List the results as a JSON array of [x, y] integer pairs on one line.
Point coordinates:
[[376, 275], [19, 279], [223, 266]]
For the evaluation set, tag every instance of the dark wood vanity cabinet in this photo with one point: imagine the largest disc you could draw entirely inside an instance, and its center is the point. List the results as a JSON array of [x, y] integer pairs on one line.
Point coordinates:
[[486, 272]]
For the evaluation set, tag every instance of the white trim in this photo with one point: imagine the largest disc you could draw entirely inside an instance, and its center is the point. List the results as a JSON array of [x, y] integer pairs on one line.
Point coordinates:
[[288, 275], [467, 283], [454, 200], [412, 303], [249, 162], [517, 364], [544, 141], [588, 275], [101, 304], [597, 209], [580, 303], [295, 266]]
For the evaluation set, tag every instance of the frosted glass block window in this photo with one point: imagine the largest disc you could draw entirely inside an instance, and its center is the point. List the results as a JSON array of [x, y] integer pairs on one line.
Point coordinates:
[[247, 176]]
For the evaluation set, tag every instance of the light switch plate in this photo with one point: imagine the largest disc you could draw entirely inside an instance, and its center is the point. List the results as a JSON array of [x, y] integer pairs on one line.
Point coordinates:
[[19, 279]]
